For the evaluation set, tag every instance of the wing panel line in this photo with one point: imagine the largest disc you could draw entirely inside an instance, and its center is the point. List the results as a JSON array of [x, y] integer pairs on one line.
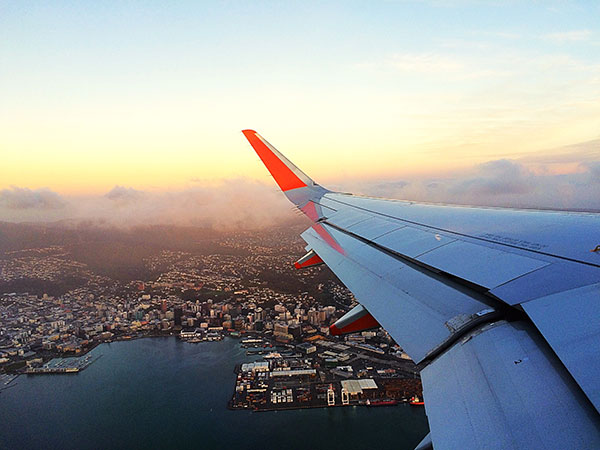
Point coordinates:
[[465, 235]]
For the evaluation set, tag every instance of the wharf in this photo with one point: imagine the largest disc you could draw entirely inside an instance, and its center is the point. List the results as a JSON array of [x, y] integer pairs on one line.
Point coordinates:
[[6, 380], [63, 365], [275, 395]]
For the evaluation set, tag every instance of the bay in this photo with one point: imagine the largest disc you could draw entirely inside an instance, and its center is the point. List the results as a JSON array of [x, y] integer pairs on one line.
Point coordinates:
[[163, 393]]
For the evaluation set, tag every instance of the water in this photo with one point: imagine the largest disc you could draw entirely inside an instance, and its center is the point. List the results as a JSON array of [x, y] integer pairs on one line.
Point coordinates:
[[164, 393]]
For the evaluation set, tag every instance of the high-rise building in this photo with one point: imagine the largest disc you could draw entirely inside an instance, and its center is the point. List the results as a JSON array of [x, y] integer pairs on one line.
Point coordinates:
[[177, 316], [322, 315], [313, 317], [260, 314], [296, 331], [280, 328]]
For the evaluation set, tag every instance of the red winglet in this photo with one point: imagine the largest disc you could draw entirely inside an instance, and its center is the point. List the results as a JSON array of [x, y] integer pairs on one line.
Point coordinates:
[[309, 261], [283, 175], [366, 322]]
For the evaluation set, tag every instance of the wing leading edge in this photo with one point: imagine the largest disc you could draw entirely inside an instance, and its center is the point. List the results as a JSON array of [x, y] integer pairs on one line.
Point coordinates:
[[498, 306]]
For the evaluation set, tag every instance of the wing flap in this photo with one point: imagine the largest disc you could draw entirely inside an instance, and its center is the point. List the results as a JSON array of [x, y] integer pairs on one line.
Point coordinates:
[[502, 388], [418, 310], [412, 242], [570, 322], [375, 227], [557, 277], [480, 265]]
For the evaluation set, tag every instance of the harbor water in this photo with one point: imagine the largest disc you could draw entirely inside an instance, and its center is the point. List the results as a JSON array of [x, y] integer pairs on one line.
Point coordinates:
[[164, 393]]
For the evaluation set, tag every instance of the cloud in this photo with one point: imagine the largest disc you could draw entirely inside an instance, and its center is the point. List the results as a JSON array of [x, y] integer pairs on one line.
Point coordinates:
[[17, 198], [495, 178], [123, 194], [569, 36], [537, 180], [593, 169], [390, 188], [226, 205], [575, 158], [442, 65], [466, 60], [503, 182]]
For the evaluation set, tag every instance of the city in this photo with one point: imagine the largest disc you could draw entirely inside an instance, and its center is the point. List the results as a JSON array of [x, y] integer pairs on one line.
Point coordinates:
[[249, 291]]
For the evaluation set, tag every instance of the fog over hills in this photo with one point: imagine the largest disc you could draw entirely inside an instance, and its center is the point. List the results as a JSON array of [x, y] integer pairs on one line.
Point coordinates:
[[567, 177]]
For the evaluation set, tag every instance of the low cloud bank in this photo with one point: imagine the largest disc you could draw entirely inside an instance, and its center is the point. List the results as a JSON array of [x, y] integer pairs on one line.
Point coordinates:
[[529, 182], [19, 199], [231, 204], [498, 183]]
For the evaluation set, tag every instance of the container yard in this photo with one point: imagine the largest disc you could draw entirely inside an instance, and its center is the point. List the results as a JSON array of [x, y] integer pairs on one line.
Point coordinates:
[[327, 374]]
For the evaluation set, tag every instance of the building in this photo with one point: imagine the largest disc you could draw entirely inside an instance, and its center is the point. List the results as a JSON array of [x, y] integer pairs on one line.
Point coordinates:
[[177, 316], [296, 331], [259, 366], [307, 348], [280, 328], [358, 388]]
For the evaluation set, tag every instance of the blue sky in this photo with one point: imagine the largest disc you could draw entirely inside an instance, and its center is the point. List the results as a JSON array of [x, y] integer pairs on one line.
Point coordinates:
[[152, 95]]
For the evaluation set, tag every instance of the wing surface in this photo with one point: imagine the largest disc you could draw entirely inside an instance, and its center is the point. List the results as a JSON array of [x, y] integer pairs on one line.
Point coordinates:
[[501, 307]]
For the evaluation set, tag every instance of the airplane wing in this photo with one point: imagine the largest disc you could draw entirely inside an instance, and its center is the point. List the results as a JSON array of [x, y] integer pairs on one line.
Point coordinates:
[[499, 307]]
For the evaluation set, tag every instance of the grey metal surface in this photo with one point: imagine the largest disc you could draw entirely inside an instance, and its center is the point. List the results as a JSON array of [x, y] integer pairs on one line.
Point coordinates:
[[347, 218], [557, 277], [412, 242], [415, 308], [375, 227], [503, 388], [513, 273], [481, 265], [562, 234], [570, 322]]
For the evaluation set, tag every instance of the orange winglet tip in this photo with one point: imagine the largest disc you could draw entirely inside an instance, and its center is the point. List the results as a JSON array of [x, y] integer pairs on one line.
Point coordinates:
[[284, 176]]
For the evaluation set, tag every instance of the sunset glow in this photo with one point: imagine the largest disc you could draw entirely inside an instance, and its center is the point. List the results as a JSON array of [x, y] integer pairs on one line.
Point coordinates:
[[155, 97]]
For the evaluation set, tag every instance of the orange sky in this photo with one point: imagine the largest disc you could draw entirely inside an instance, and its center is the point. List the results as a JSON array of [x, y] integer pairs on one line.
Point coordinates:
[[155, 97]]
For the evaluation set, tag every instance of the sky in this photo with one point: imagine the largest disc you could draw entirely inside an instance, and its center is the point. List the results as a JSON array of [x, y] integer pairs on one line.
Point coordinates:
[[132, 111]]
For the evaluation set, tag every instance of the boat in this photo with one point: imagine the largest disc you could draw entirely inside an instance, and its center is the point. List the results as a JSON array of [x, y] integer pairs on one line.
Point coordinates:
[[416, 401], [384, 402]]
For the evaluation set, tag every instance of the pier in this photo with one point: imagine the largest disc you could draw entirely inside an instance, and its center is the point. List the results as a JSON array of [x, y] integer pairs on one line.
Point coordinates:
[[63, 365]]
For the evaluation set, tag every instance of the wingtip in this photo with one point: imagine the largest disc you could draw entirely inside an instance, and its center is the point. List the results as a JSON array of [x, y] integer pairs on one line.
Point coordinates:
[[286, 175]]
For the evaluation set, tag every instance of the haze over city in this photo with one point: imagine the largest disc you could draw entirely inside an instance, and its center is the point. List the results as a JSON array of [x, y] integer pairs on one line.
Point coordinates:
[[131, 113]]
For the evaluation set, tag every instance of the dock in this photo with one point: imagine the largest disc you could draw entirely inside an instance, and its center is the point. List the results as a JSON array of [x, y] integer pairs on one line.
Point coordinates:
[[64, 365]]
